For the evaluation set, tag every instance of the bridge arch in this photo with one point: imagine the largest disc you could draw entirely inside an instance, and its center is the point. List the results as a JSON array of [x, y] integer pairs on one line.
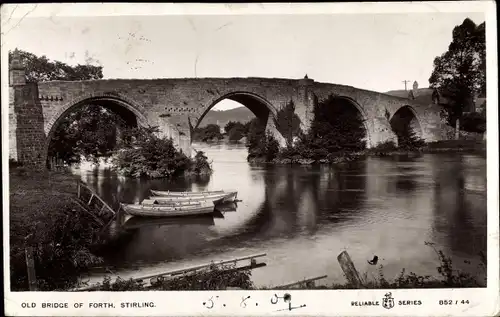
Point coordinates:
[[406, 120], [257, 104], [362, 113], [126, 108]]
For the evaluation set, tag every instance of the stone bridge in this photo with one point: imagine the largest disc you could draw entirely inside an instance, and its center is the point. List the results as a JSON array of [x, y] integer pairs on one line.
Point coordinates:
[[176, 106]]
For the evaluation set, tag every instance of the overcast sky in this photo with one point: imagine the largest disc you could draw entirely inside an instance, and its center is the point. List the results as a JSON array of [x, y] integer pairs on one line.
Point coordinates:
[[370, 51]]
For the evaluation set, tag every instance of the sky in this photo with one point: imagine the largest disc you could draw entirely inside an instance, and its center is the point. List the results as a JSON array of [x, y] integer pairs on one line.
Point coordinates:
[[370, 51]]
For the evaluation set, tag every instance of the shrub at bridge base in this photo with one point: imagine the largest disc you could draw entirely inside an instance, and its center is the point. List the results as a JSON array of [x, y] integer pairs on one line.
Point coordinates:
[[143, 154]]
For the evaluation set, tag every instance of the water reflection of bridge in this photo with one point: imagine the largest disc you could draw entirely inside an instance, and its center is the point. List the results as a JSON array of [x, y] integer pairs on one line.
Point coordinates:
[[420, 196]]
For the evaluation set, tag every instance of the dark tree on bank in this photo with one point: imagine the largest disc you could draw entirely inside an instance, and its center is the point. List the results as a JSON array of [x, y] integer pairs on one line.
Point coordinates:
[[460, 73], [210, 132], [288, 123], [236, 130], [337, 127], [259, 143]]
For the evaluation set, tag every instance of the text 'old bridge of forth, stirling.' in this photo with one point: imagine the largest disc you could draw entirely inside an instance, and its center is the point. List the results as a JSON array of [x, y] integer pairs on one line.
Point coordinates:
[[176, 106]]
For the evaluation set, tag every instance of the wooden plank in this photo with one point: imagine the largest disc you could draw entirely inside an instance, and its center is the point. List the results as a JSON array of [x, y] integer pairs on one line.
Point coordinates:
[[99, 198], [30, 265], [190, 269], [89, 212], [305, 281], [349, 269], [91, 196]]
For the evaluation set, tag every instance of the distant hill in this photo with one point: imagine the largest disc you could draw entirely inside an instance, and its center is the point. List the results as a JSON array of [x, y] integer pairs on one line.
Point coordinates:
[[240, 114]]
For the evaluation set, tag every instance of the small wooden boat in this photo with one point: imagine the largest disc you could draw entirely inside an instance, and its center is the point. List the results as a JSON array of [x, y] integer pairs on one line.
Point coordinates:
[[167, 211], [219, 197], [185, 194], [157, 202], [226, 207]]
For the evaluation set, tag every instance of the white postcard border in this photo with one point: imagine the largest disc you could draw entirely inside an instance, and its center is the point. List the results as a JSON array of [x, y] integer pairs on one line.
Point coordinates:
[[483, 301]]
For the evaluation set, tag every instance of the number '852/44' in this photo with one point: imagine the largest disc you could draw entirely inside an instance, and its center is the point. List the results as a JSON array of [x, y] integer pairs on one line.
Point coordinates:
[[451, 302]]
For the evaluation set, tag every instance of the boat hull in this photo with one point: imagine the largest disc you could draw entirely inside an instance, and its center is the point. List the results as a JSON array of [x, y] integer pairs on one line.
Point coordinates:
[[185, 194], [216, 198], [167, 211], [156, 202]]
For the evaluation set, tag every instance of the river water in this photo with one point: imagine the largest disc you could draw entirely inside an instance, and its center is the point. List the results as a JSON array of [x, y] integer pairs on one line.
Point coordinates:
[[302, 217]]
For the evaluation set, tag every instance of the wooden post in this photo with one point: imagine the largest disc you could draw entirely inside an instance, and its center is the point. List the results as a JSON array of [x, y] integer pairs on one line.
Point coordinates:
[[78, 186], [349, 270], [30, 265]]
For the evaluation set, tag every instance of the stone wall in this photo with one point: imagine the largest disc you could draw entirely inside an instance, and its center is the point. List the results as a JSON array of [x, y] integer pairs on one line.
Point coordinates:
[[26, 126]]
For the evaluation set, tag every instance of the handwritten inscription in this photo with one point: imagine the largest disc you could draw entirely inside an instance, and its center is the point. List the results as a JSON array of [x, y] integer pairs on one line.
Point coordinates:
[[287, 298]]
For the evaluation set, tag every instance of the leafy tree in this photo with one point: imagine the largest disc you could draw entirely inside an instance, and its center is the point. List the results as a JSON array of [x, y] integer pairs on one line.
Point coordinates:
[[147, 155], [43, 69], [288, 123], [207, 133], [337, 127], [461, 71], [237, 131], [230, 125], [259, 143], [86, 132]]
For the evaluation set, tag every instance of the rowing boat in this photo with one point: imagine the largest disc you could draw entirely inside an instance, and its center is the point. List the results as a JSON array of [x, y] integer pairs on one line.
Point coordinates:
[[168, 211], [155, 202], [185, 194], [226, 206], [216, 198]]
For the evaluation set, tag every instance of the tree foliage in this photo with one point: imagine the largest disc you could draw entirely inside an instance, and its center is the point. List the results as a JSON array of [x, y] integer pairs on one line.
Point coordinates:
[[460, 72], [259, 143], [337, 126], [288, 123], [236, 130], [144, 154], [43, 69], [210, 132], [90, 131]]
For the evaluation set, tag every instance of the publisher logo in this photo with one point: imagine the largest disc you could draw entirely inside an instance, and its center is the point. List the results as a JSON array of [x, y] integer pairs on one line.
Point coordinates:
[[388, 301]]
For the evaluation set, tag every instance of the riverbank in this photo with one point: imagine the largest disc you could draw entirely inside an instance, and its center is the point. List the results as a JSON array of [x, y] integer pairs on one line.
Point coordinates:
[[447, 146], [221, 277], [44, 216]]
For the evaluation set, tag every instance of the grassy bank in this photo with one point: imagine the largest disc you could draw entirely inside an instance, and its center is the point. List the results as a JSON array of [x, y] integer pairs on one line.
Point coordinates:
[[44, 216]]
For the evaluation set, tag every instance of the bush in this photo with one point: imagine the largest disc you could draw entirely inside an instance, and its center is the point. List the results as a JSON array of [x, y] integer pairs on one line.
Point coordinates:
[[408, 140], [215, 277], [147, 155], [385, 147], [473, 122], [201, 166], [209, 133], [237, 131], [288, 123]]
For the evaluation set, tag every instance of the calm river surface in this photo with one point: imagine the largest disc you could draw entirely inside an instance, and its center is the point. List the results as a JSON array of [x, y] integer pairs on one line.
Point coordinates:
[[304, 216]]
